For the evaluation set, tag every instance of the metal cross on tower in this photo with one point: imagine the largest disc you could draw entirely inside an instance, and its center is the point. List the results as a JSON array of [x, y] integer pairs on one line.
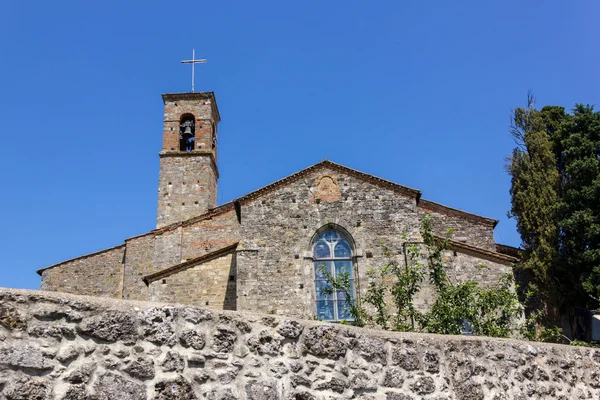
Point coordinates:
[[193, 61]]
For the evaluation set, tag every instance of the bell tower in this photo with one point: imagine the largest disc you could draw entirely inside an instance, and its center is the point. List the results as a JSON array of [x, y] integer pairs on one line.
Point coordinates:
[[187, 183]]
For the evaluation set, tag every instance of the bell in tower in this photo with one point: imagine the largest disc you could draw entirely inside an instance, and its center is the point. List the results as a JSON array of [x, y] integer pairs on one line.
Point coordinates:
[[187, 133]]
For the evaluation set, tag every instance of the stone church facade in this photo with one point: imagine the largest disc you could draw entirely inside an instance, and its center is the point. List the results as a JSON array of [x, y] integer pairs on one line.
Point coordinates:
[[260, 252]]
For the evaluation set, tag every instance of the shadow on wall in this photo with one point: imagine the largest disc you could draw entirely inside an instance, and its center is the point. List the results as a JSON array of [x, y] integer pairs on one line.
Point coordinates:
[[230, 300]]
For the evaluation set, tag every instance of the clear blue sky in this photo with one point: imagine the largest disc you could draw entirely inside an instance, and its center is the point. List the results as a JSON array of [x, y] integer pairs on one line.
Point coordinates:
[[415, 92]]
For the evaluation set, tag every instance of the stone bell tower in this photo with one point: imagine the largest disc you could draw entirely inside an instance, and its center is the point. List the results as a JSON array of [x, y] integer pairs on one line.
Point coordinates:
[[187, 183]]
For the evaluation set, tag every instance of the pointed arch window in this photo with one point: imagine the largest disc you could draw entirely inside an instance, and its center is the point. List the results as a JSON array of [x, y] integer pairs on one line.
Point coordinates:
[[332, 254]]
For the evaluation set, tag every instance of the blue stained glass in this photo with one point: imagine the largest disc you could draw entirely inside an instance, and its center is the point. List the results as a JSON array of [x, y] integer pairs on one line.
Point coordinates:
[[322, 250], [342, 250], [344, 267], [320, 271], [343, 311], [322, 287], [330, 236], [325, 310], [341, 294]]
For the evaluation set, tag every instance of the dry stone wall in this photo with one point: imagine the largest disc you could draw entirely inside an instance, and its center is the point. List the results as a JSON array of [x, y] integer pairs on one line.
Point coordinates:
[[67, 347]]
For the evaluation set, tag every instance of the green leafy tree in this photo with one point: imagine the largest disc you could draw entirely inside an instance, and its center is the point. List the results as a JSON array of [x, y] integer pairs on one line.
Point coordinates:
[[579, 210], [555, 199], [489, 311]]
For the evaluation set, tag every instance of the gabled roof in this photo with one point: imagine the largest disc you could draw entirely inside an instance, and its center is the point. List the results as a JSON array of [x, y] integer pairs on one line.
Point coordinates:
[[436, 207], [190, 263], [325, 164]]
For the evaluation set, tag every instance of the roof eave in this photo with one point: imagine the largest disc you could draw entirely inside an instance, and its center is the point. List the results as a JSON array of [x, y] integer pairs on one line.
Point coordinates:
[[41, 270], [190, 263]]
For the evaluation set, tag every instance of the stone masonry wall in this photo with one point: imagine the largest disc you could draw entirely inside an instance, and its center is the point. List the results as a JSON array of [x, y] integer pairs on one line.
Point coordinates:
[[209, 235], [463, 267], [209, 284], [279, 276], [99, 274], [281, 224], [473, 233], [167, 249], [187, 187], [139, 261], [64, 347]]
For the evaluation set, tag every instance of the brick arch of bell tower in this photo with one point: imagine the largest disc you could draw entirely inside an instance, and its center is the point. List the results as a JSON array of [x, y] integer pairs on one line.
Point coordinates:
[[187, 183]]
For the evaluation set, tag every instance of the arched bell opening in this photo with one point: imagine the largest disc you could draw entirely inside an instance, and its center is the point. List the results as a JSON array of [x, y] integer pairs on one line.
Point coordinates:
[[187, 132]]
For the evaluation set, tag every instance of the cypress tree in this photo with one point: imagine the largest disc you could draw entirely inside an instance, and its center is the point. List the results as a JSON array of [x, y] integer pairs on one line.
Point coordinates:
[[555, 199]]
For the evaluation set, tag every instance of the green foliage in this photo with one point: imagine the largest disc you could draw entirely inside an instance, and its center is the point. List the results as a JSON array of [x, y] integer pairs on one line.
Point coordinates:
[[580, 343], [579, 210], [490, 311], [555, 198], [552, 335], [529, 329], [388, 301], [342, 283]]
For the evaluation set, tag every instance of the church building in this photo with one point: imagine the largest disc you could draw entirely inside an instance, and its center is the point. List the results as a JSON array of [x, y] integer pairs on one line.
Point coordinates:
[[262, 251]]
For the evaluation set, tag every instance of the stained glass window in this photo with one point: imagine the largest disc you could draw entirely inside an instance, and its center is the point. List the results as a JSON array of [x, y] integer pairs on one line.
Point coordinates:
[[332, 255]]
